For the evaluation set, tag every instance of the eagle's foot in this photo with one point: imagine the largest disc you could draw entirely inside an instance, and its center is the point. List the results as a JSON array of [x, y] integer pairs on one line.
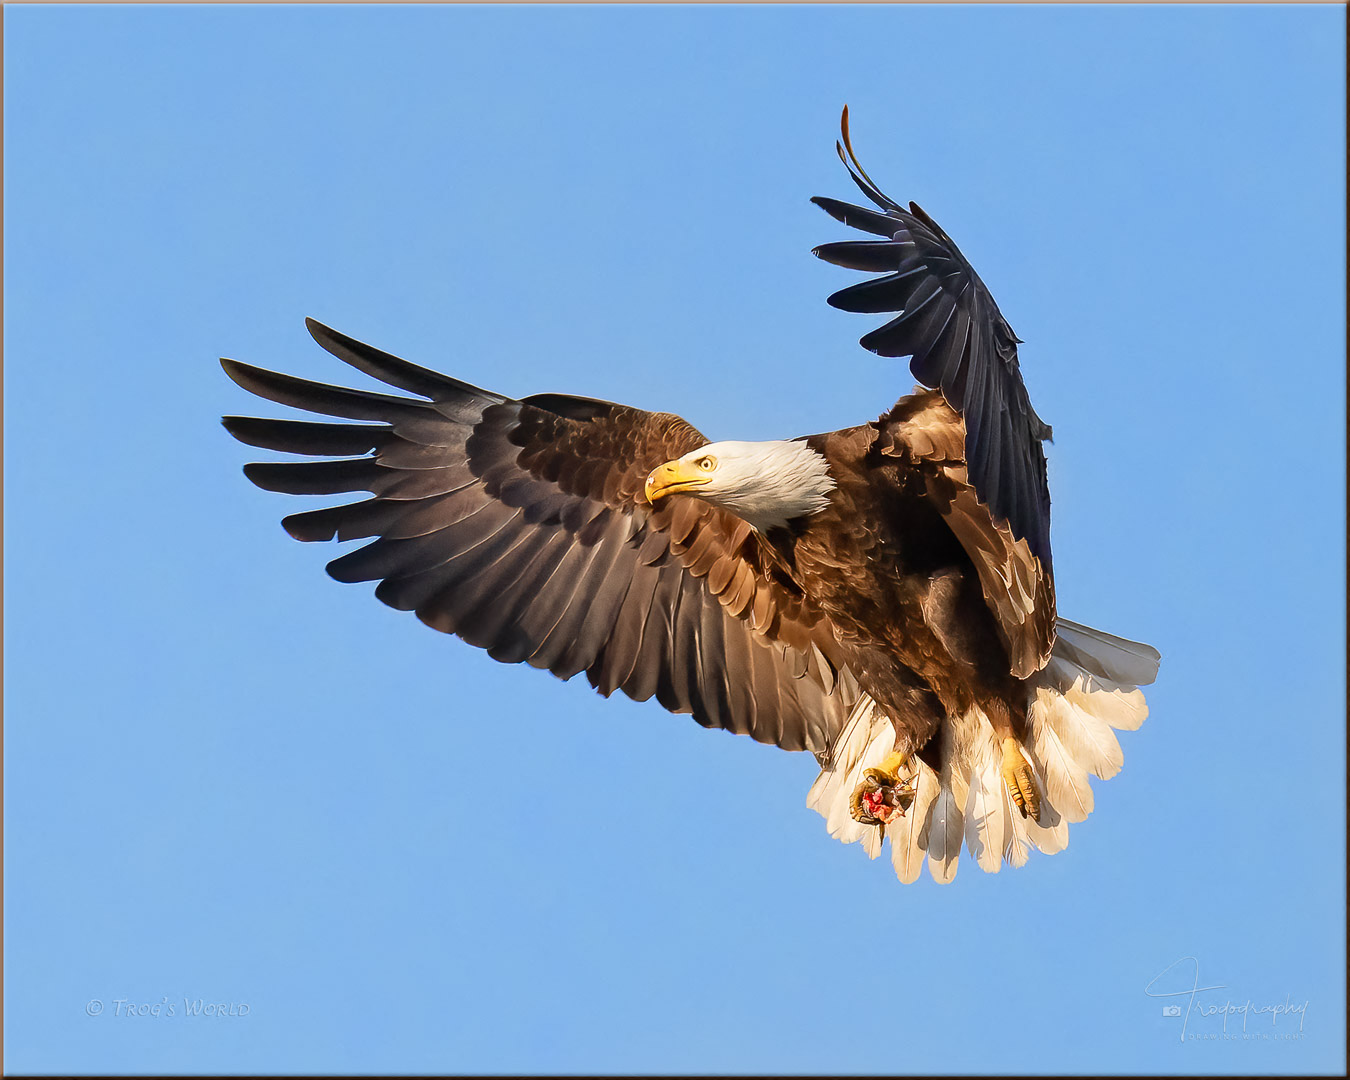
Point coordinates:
[[1021, 784], [882, 796]]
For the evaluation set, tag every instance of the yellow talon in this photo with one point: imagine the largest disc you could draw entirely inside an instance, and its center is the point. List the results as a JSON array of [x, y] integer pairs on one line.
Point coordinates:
[[1021, 784], [882, 795], [892, 763]]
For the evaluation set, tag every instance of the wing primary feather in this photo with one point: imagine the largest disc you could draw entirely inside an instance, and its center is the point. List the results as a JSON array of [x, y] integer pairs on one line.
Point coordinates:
[[320, 397], [307, 437], [392, 369], [1006, 461]]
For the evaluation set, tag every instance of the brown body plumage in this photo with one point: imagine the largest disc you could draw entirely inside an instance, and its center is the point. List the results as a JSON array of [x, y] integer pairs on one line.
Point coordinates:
[[885, 564], [881, 596]]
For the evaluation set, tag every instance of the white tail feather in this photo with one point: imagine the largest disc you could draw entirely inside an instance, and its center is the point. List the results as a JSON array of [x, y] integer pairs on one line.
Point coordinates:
[[1085, 735], [944, 840], [986, 828], [1017, 841], [829, 795], [1066, 782], [866, 739], [1121, 707], [909, 838], [944, 836]]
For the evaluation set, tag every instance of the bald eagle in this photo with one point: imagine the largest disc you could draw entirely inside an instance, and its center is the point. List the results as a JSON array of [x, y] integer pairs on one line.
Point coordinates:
[[881, 596]]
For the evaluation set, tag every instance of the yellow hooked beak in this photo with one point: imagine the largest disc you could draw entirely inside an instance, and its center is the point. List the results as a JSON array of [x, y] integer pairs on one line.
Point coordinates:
[[674, 477]]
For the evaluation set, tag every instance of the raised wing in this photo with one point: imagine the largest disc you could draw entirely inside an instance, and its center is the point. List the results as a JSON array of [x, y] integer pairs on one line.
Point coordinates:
[[958, 340], [924, 431], [520, 526]]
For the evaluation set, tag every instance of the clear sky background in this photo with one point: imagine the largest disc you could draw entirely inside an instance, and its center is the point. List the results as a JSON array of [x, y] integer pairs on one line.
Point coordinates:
[[229, 778]]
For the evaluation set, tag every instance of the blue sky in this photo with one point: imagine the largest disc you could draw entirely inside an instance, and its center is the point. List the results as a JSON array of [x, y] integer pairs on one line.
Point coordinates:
[[230, 779]]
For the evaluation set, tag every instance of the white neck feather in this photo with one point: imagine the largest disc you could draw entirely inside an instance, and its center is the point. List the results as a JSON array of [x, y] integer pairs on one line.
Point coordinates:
[[767, 483]]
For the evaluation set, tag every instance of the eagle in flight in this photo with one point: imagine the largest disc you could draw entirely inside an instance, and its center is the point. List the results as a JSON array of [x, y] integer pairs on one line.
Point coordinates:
[[881, 596]]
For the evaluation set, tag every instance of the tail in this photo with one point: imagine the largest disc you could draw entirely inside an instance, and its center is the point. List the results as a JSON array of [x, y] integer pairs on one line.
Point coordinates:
[[1087, 691]]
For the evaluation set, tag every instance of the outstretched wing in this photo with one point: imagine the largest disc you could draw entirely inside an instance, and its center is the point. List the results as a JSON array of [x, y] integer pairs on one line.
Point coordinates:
[[521, 527], [924, 432], [958, 340]]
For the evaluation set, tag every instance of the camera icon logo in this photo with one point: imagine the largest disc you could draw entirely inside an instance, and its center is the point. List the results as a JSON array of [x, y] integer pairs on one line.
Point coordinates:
[[1171, 1010]]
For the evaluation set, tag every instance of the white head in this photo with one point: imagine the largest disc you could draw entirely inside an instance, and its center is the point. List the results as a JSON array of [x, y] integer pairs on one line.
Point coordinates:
[[766, 483]]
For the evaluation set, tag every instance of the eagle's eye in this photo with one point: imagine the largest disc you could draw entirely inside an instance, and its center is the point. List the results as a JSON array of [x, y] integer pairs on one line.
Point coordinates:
[[707, 464]]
